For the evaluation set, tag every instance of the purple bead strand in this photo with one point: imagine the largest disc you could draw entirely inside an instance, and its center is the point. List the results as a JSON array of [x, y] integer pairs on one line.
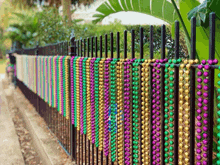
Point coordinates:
[[61, 83], [156, 120], [72, 89], [92, 99], [106, 117], [81, 95], [202, 121]]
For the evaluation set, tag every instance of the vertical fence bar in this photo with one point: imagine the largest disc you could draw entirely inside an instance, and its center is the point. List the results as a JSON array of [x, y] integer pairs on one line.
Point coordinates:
[[140, 100], [111, 45], [92, 143], [151, 72], [84, 42], [132, 44], [163, 55], [118, 57], [125, 57], [118, 45], [192, 92], [106, 46], [70, 98], [85, 139], [96, 55], [81, 135], [176, 94], [78, 132], [131, 110], [100, 47], [96, 47], [106, 56], [112, 56], [88, 44], [211, 84]]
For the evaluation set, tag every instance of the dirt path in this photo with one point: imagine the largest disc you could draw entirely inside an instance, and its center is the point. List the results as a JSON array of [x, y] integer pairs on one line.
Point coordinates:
[[29, 154], [10, 152]]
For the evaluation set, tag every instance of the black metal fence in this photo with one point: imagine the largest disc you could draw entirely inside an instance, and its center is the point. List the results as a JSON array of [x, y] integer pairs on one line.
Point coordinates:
[[126, 111]]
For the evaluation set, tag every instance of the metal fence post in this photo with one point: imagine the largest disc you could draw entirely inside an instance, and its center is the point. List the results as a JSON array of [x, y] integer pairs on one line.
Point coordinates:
[[72, 52]]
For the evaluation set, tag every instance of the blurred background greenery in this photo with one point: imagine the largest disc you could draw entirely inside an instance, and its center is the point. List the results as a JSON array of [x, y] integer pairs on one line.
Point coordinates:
[[24, 24]]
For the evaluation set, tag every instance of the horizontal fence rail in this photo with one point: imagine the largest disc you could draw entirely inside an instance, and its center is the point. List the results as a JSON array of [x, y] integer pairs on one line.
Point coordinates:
[[112, 109]]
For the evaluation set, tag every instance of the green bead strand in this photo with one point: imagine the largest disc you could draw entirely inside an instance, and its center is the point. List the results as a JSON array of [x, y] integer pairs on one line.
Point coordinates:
[[113, 108], [96, 78], [135, 132], [169, 110]]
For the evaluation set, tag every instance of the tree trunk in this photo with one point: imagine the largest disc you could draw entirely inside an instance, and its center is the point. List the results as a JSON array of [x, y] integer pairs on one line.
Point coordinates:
[[66, 10]]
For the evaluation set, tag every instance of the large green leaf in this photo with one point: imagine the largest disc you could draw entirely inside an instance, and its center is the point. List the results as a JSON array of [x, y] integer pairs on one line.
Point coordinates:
[[201, 12], [161, 9]]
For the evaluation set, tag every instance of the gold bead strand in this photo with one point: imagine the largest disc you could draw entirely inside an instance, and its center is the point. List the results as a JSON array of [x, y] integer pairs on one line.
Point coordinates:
[[184, 111], [181, 89], [88, 100], [145, 113], [77, 94], [67, 87], [101, 103], [120, 76]]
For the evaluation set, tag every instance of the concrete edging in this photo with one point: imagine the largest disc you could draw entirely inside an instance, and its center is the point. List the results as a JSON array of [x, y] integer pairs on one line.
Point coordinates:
[[37, 143]]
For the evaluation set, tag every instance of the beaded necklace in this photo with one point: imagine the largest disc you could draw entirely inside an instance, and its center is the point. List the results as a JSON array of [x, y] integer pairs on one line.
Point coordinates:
[[101, 102], [42, 78], [202, 134], [35, 75], [61, 85], [58, 84], [75, 91], [127, 110], [113, 108], [72, 89], [46, 79], [77, 94], [135, 109], [38, 75], [64, 86], [218, 119], [84, 94], [49, 81], [67, 74], [80, 94], [120, 111], [96, 78], [55, 81], [145, 138], [88, 98], [184, 111], [92, 99], [106, 112], [156, 115], [169, 110], [37, 78]]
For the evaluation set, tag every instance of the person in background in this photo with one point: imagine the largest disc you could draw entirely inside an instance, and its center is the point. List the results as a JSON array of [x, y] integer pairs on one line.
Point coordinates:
[[10, 68]]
